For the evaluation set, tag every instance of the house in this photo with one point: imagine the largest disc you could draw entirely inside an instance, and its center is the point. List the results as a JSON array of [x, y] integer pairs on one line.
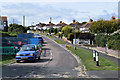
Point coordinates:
[[48, 26], [31, 27], [60, 25], [3, 23], [75, 24], [85, 27], [40, 26]]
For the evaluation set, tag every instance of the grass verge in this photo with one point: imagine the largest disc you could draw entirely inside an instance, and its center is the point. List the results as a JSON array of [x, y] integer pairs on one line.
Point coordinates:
[[50, 36], [41, 33], [90, 65], [60, 41], [7, 59]]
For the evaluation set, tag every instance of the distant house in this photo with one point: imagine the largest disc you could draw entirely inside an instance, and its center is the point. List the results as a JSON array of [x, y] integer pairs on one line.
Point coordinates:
[[75, 24], [40, 26], [85, 27], [31, 27], [48, 26], [60, 25], [3, 23]]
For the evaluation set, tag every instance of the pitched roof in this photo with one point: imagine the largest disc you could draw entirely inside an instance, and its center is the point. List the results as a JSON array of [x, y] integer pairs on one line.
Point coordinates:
[[77, 24], [50, 24], [61, 24], [87, 25]]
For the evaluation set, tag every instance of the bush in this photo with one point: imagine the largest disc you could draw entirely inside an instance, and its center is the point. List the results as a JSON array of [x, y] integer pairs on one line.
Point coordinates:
[[114, 42], [110, 44], [55, 31], [116, 45], [15, 28], [66, 30], [100, 40], [69, 35]]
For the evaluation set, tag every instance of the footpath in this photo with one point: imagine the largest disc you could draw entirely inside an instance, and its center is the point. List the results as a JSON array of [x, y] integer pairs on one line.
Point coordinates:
[[99, 74]]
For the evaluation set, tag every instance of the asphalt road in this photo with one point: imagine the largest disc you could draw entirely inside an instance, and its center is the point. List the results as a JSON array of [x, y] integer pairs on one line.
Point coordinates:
[[60, 64]]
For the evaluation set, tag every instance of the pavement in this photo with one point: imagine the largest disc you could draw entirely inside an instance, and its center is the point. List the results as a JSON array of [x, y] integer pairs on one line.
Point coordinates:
[[100, 74]]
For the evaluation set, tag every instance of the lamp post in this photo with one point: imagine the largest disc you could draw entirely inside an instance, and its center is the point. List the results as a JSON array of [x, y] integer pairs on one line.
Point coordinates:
[[50, 25], [75, 37], [106, 36]]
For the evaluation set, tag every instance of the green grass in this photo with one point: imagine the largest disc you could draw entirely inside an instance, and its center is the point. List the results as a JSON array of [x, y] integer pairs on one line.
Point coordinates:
[[13, 34], [42, 33], [60, 41], [90, 65], [50, 36], [8, 34], [7, 59]]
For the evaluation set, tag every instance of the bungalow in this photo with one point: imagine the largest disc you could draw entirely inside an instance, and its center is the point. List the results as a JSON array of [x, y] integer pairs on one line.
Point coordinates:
[[40, 26], [60, 25], [85, 27], [31, 27]]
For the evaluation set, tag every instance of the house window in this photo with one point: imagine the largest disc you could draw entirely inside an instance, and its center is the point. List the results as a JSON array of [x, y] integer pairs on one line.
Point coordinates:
[[4, 23]]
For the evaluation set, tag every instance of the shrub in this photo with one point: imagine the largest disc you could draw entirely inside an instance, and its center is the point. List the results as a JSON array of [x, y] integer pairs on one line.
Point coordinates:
[[116, 45], [110, 44], [66, 30], [100, 40], [69, 36]]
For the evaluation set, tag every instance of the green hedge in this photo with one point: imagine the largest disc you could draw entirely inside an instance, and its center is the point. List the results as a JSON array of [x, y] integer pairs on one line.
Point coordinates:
[[114, 42], [100, 40]]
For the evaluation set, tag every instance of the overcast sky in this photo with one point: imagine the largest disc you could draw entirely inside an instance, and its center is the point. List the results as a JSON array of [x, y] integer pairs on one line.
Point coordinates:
[[41, 11]]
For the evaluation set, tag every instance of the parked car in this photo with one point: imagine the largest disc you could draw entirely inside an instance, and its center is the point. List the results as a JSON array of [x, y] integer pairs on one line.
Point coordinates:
[[29, 52], [39, 37]]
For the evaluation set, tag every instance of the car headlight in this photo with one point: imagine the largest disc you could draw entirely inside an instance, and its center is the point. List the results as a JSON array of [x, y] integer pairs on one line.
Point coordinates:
[[17, 54], [31, 54]]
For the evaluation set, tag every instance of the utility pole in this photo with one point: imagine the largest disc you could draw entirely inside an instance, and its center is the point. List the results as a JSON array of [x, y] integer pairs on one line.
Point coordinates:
[[75, 37], [50, 25]]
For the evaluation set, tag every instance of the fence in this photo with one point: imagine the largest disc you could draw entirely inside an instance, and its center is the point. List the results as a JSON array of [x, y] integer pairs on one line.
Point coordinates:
[[8, 50], [13, 41]]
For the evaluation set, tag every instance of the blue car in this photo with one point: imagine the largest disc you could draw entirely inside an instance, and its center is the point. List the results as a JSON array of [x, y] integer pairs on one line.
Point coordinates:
[[28, 52]]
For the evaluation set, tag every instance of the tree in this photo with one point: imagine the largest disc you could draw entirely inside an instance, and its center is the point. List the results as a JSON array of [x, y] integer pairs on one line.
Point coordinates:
[[15, 28], [66, 30], [102, 26]]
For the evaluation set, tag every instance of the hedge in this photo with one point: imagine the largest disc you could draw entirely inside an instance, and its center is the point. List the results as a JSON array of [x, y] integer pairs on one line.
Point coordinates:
[[100, 40]]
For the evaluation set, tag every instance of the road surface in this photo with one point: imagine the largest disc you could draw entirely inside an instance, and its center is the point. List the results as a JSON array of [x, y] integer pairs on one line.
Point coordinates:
[[55, 62]]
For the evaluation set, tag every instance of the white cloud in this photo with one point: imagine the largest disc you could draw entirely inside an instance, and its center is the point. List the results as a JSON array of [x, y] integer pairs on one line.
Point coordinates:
[[41, 12], [59, 1]]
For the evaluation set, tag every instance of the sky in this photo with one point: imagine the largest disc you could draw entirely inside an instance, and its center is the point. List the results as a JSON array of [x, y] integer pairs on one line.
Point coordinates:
[[66, 11]]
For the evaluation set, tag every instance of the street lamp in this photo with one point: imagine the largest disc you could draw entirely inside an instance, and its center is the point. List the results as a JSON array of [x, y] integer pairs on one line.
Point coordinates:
[[50, 25], [75, 37]]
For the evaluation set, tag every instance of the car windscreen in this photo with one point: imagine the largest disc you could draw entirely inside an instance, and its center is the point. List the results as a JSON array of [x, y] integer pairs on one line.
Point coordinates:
[[28, 48]]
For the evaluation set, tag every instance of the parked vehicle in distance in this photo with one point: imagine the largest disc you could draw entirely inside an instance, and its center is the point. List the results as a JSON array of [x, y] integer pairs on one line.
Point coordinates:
[[29, 52], [39, 37]]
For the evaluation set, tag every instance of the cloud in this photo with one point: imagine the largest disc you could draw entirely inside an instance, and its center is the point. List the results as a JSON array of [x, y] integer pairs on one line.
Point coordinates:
[[106, 15], [41, 12], [59, 1]]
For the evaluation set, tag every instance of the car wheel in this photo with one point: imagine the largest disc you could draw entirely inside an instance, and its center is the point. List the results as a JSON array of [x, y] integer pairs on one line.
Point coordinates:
[[35, 59], [17, 61]]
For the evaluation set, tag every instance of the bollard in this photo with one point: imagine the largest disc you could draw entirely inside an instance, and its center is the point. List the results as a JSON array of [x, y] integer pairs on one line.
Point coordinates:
[[94, 55], [97, 60]]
